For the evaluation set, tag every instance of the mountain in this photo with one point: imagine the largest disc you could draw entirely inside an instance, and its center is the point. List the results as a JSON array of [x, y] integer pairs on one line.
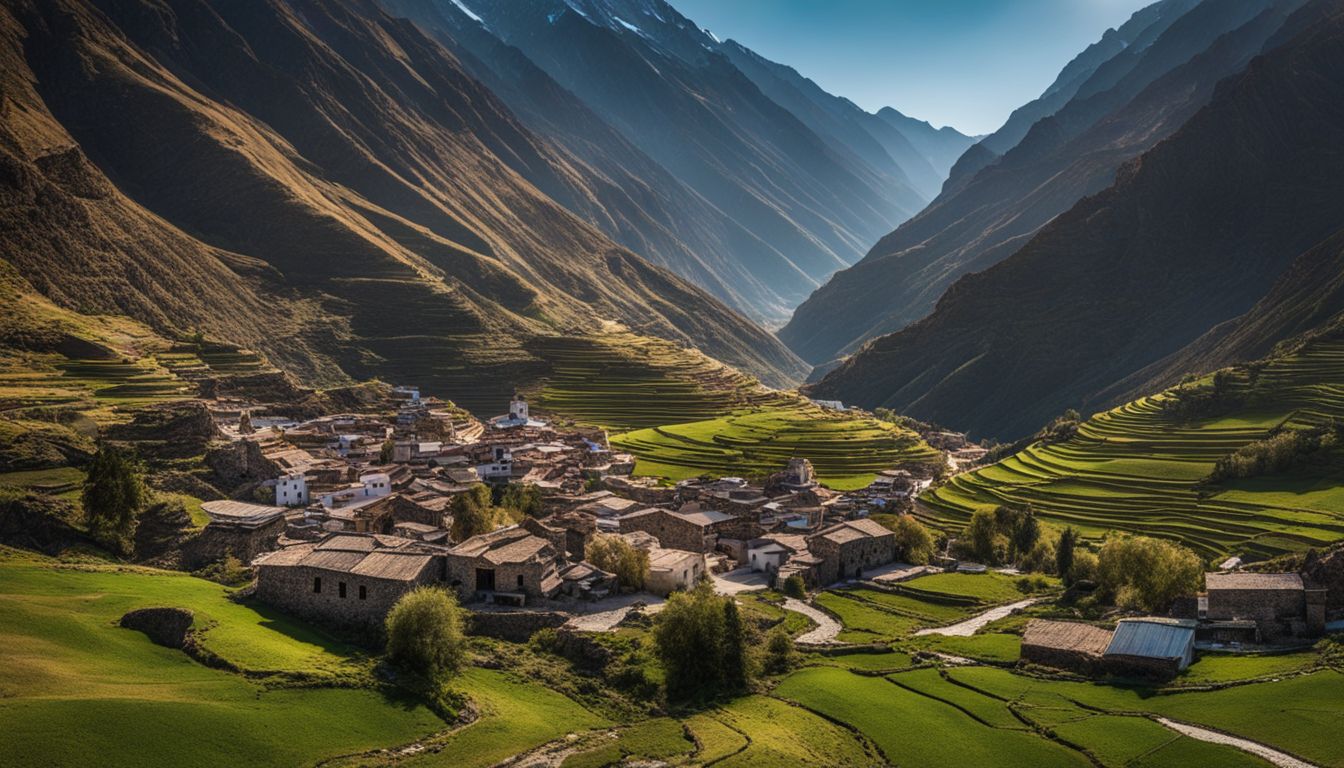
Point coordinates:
[[940, 147], [1213, 245], [993, 204], [321, 182], [798, 187]]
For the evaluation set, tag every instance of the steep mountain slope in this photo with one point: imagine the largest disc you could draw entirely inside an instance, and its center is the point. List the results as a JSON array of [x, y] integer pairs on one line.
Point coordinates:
[[660, 81], [940, 147], [318, 180], [1121, 109], [1193, 234]]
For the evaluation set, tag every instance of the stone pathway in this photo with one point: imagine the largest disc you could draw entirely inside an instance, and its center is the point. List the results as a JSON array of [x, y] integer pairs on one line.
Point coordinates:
[[970, 626], [605, 614], [827, 627], [1274, 756]]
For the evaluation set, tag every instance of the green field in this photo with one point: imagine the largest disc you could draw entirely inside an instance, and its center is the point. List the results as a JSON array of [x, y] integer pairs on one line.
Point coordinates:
[[846, 450], [1138, 468]]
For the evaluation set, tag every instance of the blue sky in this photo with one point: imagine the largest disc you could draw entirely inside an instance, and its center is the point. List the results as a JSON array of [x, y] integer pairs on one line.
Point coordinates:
[[965, 63]]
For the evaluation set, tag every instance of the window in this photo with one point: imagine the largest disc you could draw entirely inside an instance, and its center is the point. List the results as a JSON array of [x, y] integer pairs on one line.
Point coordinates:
[[363, 592], [340, 589], [520, 581], [317, 583]]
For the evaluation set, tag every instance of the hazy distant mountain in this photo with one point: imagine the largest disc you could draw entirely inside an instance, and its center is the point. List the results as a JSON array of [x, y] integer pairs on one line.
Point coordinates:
[[992, 205], [798, 189], [320, 181], [1212, 246]]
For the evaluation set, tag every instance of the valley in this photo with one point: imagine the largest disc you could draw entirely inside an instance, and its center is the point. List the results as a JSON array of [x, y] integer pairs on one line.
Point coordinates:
[[558, 384]]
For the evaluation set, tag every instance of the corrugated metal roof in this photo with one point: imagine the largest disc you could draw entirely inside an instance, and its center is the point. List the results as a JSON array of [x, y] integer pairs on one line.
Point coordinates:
[[1152, 638]]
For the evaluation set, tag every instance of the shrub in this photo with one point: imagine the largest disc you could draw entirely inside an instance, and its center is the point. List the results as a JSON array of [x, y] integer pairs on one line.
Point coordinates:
[[424, 632], [794, 587], [1085, 567], [1001, 535], [914, 543], [473, 513], [1041, 558], [780, 655], [113, 495], [1281, 452], [523, 498], [614, 554], [231, 572], [1145, 573]]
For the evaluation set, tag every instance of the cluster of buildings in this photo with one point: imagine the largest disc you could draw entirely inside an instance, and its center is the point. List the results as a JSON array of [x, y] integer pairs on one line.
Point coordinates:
[[1236, 609], [360, 511]]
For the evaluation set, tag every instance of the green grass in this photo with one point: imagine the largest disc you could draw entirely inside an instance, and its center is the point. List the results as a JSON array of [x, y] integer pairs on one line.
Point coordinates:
[[782, 735], [983, 646], [715, 738], [988, 588], [1138, 468], [888, 661], [846, 450], [914, 729], [74, 685], [1228, 667], [658, 739]]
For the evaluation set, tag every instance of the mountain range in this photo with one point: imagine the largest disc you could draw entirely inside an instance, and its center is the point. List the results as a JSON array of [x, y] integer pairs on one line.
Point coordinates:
[[1210, 246]]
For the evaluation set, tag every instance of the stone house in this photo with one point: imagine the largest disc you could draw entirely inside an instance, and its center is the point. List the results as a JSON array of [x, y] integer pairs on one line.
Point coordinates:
[[1279, 603], [346, 579], [235, 528], [692, 529], [849, 548], [673, 569], [510, 565], [1069, 645]]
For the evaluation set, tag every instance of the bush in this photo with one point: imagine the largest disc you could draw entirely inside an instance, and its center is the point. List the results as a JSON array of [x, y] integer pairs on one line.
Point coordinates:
[[1145, 573], [614, 554], [474, 514], [113, 495], [424, 632], [700, 645], [1001, 535], [794, 587], [1085, 567], [780, 655], [1282, 452], [523, 498], [914, 543], [1042, 557], [231, 572]]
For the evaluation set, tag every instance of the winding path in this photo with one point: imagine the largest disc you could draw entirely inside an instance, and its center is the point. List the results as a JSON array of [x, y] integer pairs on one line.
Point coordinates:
[[970, 626], [827, 627], [1281, 759]]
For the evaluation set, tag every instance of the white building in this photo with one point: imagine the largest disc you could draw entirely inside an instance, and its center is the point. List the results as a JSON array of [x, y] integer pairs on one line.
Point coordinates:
[[518, 416], [291, 490]]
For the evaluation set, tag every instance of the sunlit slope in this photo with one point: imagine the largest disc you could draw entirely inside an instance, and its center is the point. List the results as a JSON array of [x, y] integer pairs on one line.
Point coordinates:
[[1139, 467]]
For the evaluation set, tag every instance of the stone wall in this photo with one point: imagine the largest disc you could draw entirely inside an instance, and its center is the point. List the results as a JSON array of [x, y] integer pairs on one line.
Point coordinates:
[[514, 626], [1272, 609], [291, 588], [673, 531], [220, 539], [169, 627], [462, 576], [850, 559]]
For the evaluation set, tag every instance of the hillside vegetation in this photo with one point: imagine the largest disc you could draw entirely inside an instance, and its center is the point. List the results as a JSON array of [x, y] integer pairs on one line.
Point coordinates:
[[1143, 466]]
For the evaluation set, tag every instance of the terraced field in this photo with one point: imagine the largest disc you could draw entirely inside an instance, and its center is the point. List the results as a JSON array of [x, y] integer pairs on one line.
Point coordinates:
[[623, 381], [846, 450], [1138, 468]]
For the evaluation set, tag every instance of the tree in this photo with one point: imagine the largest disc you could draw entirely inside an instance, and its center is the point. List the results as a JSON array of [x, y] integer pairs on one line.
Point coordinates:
[[385, 453], [1026, 531], [696, 645], [1064, 554], [424, 632], [524, 498], [113, 495], [982, 536], [779, 652], [1145, 573], [795, 587], [735, 672], [613, 554], [914, 543], [472, 513]]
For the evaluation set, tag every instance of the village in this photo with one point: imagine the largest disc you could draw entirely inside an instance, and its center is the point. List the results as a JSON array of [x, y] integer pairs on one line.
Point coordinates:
[[360, 510]]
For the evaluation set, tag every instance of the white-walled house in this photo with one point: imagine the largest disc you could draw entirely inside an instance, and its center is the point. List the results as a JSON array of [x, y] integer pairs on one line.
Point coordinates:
[[291, 490]]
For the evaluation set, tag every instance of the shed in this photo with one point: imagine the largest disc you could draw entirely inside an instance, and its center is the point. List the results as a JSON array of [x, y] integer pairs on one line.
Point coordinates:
[[1151, 647], [1070, 645]]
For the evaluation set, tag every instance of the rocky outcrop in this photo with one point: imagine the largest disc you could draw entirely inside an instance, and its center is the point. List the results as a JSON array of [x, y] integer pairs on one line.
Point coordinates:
[[239, 464], [169, 627], [170, 431]]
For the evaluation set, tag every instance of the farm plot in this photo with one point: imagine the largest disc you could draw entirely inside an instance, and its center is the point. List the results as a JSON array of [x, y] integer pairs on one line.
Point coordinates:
[[1139, 467], [846, 450]]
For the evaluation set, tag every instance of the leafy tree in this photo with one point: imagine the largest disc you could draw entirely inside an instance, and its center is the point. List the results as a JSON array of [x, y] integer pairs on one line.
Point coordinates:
[[1064, 554], [1026, 531], [795, 587], [735, 671], [525, 498], [114, 493], [385, 453], [983, 538], [424, 632], [613, 554], [914, 543], [780, 655], [1145, 573], [691, 635], [472, 513], [1085, 566]]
